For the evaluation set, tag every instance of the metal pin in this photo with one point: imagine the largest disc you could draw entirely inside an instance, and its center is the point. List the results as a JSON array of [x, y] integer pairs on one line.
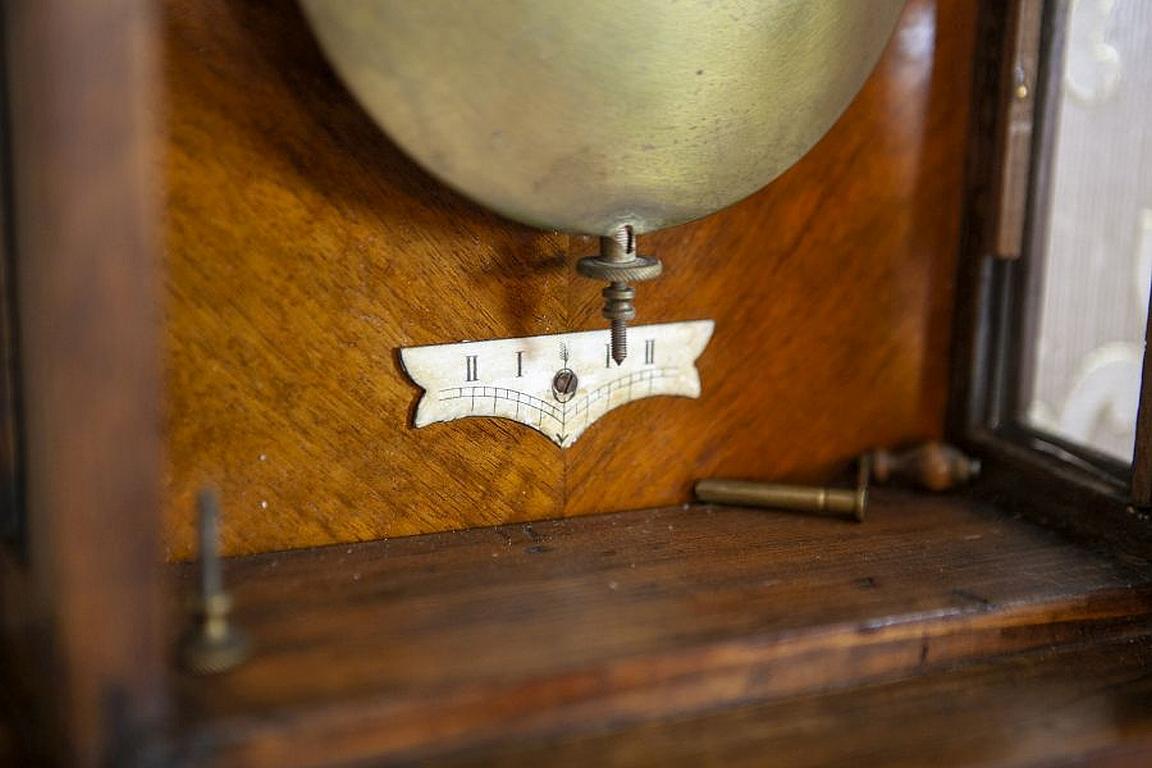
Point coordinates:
[[214, 644], [834, 502]]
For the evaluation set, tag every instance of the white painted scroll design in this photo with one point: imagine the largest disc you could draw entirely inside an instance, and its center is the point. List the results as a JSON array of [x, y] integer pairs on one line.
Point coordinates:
[[559, 384]]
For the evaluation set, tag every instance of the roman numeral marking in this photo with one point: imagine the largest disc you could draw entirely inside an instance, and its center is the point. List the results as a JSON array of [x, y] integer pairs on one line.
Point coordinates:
[[470, 364], [649, 351], [607, 355], [519, 365]]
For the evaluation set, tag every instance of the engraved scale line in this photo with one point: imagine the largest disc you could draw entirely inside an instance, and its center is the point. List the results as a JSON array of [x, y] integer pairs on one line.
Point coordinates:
[[559, 413]]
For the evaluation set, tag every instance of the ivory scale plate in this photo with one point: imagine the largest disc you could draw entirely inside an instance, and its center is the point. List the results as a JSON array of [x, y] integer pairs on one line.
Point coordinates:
[[558, 384]]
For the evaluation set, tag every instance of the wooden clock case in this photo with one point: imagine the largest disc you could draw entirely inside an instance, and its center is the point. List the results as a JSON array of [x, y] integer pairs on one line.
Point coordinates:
[[212, 256]]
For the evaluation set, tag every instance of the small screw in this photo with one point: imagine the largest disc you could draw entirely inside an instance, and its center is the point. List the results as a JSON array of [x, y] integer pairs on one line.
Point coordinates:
[[1021, 83], [214, 644], [564, 384], [619, 264], [835, 502]]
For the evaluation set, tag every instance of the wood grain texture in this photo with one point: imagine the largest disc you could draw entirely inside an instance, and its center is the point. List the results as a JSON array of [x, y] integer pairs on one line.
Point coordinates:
[[831, 291], [407, 648], [304, 250], [1077, 707], [83, 609]]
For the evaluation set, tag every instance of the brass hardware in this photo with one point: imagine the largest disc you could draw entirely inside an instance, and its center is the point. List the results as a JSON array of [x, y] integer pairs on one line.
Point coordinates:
[[933, 466], [601, 117], [835, 502], [1021, 79], [619, 264], [214, 644], [586, 116]]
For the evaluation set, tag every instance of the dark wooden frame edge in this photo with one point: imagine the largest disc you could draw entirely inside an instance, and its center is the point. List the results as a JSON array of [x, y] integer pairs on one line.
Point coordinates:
[[83, 603], [1039, 475]]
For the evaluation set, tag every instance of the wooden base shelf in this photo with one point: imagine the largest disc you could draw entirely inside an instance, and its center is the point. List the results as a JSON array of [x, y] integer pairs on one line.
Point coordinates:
[[459, 645], [1070, 707]]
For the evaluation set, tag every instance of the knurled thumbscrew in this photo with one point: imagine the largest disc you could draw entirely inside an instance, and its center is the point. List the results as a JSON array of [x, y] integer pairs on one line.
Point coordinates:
[[619, 264]]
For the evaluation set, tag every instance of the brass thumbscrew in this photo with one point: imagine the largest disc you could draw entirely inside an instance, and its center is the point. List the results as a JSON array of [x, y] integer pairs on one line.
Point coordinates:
[[619, 264]]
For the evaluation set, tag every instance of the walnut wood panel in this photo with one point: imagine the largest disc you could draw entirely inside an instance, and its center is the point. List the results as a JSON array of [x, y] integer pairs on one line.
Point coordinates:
[[304, 250], [431, 643]]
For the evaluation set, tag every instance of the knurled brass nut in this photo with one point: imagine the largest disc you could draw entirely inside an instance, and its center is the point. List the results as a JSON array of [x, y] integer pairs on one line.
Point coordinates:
[[632, 271]]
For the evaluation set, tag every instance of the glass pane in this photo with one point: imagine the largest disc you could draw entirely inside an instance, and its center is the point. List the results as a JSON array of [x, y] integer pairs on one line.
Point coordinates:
[[1097, 250]]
